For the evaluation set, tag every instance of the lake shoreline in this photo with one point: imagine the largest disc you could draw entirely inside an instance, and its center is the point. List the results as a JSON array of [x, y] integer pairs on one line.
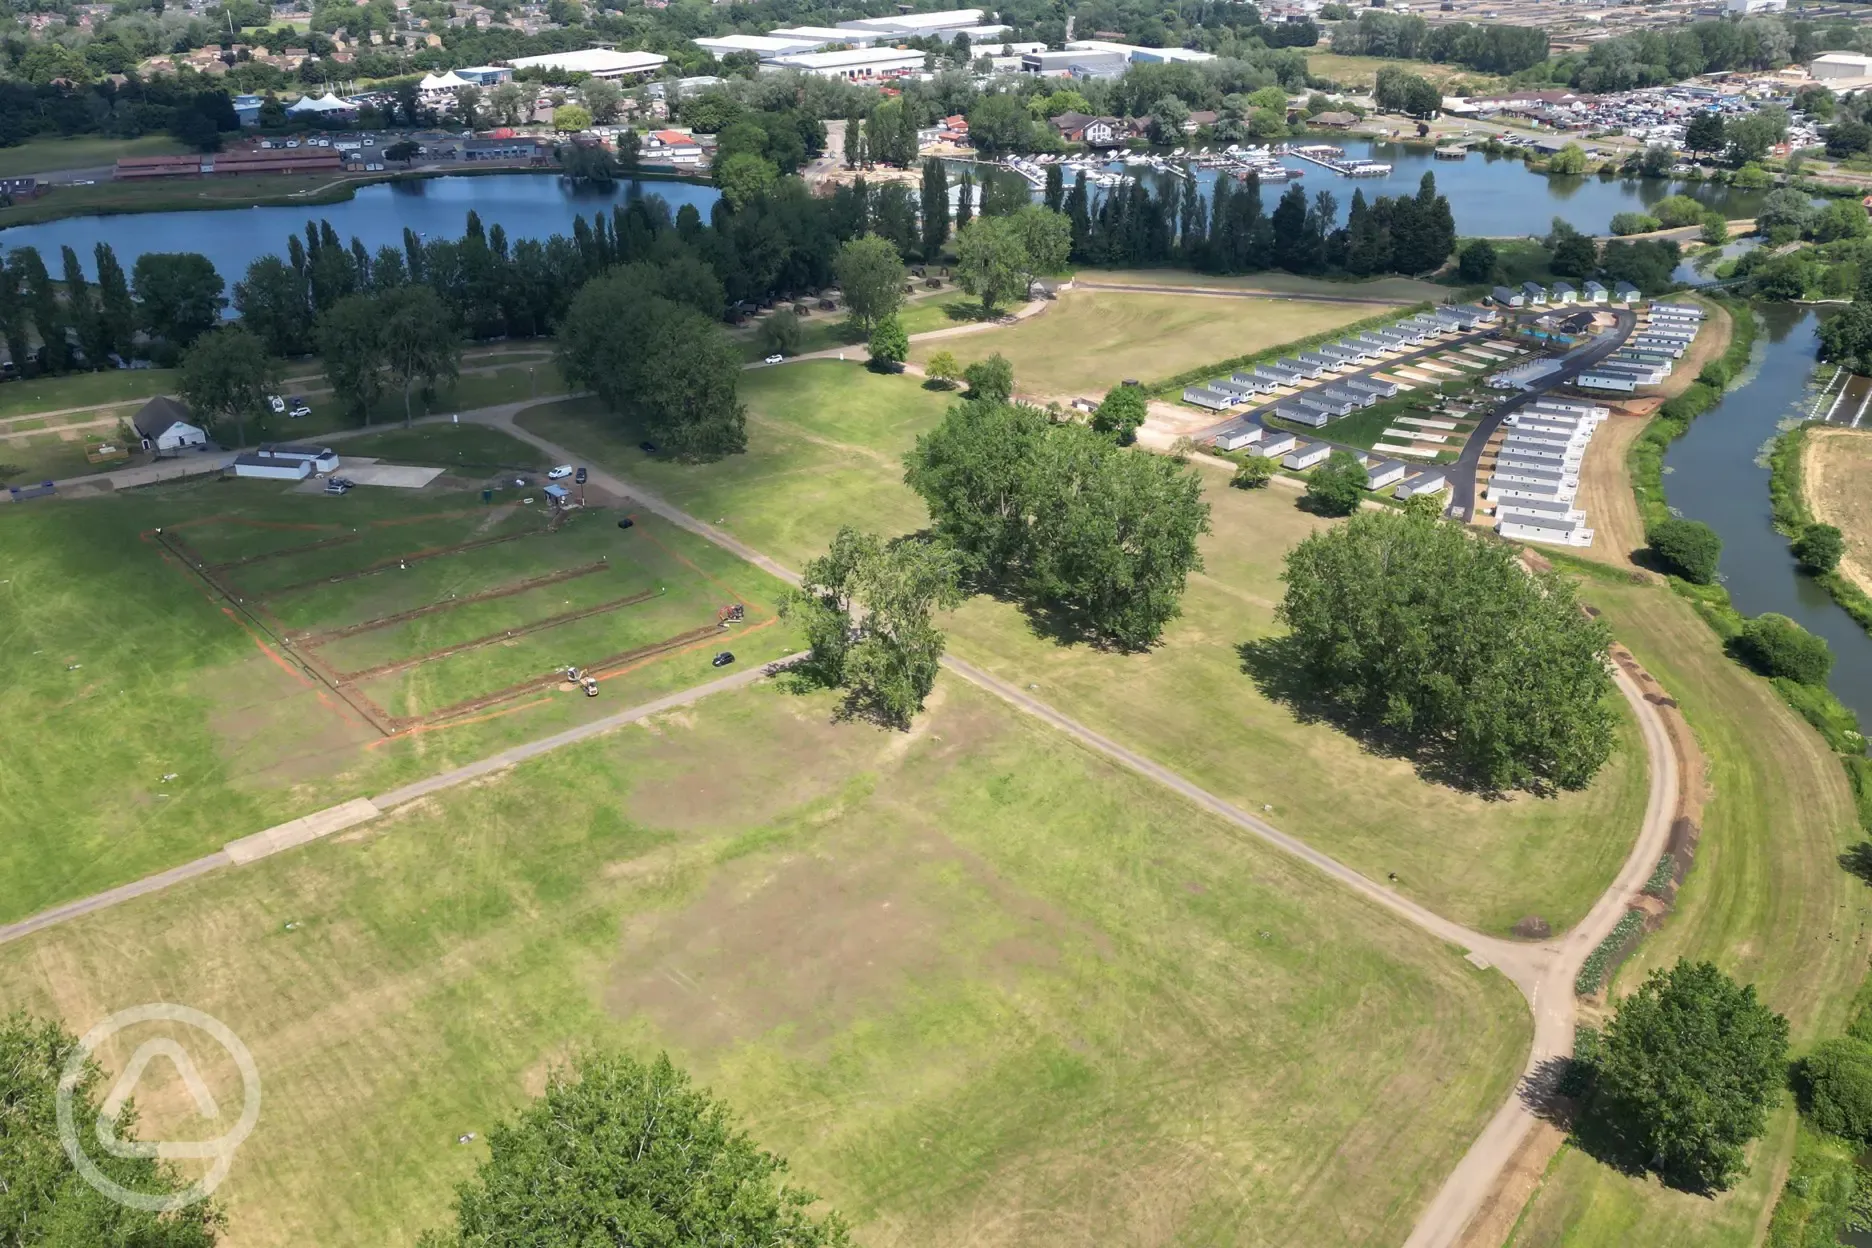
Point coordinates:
[[164, 194]]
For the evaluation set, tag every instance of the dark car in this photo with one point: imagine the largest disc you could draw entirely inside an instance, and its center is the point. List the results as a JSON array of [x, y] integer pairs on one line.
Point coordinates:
[[579, 478], [626, 522], [648, 448], [723, 659]]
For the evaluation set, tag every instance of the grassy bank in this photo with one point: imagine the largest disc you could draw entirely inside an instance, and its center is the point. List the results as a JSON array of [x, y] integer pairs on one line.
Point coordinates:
[[55, 155]]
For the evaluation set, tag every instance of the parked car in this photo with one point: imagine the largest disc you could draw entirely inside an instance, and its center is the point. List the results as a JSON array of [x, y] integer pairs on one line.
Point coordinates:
[[337, 485], [775, 358], [626, 522], [723, 659], [299, 408], [292, 142], [277, 404], [648, 448], [579, 477], [560, 473]]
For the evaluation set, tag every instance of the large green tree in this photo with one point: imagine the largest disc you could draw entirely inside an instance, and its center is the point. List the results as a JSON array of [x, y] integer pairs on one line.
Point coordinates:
[[866, 609], [620, 1153], [421, 346], [1336, 487], [179, 294], [275, 302], [1097, 538], [991, 260], [227, 376], [350, 343], [1689, 548], [1448, 646], [1122, 411], [1691, 1064], [44, 1201], [663, 366], [871, 277], [935, 208]]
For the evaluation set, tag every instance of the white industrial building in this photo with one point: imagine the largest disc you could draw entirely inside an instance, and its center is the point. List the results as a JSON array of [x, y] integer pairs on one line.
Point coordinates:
[[904, 25], [764, 46], [1832, 65], [853, 63], [598, 62]]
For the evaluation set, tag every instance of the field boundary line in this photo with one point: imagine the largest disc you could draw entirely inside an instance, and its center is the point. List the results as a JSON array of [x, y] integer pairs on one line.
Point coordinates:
[[486, 595], [491, 639]]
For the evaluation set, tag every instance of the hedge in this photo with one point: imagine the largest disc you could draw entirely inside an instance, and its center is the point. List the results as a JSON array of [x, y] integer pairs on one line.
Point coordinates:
[[1208, 371], [1598, 963]]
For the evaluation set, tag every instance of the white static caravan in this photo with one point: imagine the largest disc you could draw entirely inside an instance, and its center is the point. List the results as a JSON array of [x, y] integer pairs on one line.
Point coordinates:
[[1325, 363], [1300, 367], [1598, 411], [1377, 386], [1594, 292], [1259, 385], [1274, 444], [1528, 527], [1312, 417], [1338, 392], [1429, 482], [1513, 494], [1239, 439], [1203, 396], [1307, 454], [1384, 472], [1279, 375], [1346, 352]]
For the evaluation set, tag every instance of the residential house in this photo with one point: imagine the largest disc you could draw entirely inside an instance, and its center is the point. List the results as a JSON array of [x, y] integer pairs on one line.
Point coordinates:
[[1093, 131], [671, 147], [166, 426]]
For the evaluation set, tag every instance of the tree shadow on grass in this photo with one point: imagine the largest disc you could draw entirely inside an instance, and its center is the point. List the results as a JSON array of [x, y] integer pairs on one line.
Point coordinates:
[[970, 313], [1278, 668], [1858, 861]]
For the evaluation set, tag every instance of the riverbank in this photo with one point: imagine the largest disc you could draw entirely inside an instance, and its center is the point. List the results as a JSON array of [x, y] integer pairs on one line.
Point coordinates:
[[112, 198], [1818, 475]]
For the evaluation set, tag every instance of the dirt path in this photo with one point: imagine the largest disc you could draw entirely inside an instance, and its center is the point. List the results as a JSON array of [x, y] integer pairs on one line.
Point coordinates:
[[1605, 492], [1544, 973]]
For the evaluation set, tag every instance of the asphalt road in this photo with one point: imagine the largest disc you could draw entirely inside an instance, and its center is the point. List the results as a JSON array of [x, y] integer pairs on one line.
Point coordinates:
[[1462, 473]]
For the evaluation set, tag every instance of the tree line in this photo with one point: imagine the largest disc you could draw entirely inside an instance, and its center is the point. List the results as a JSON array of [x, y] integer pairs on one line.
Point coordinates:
[[1489, 49], [1232, 232]]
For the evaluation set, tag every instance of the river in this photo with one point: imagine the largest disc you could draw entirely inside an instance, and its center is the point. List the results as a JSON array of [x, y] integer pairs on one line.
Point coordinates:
[[1491, 196], [1717, 473], [525, 205]]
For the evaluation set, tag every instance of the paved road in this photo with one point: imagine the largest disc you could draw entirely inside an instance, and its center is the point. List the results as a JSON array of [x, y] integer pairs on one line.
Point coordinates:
[[1462, 473]]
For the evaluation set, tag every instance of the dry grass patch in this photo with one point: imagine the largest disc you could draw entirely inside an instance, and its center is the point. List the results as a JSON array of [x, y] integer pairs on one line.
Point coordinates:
[[1091, 340], [1836, 478], [980, 987]]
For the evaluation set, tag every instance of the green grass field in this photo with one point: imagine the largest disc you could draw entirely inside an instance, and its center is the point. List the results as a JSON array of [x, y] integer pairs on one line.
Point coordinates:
[[34, 395], [825, 441], [980, 987], [1403, 290], [1362, 71], [466, 448], [121, 668], [1767, 901], [1091, 340], [825, 447], [53, 155]]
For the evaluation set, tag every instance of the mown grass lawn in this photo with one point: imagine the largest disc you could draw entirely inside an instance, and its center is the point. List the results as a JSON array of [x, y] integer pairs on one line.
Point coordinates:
[[53, 155], [979, 986], [120, 669], [1089, 341], [825, 447]]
